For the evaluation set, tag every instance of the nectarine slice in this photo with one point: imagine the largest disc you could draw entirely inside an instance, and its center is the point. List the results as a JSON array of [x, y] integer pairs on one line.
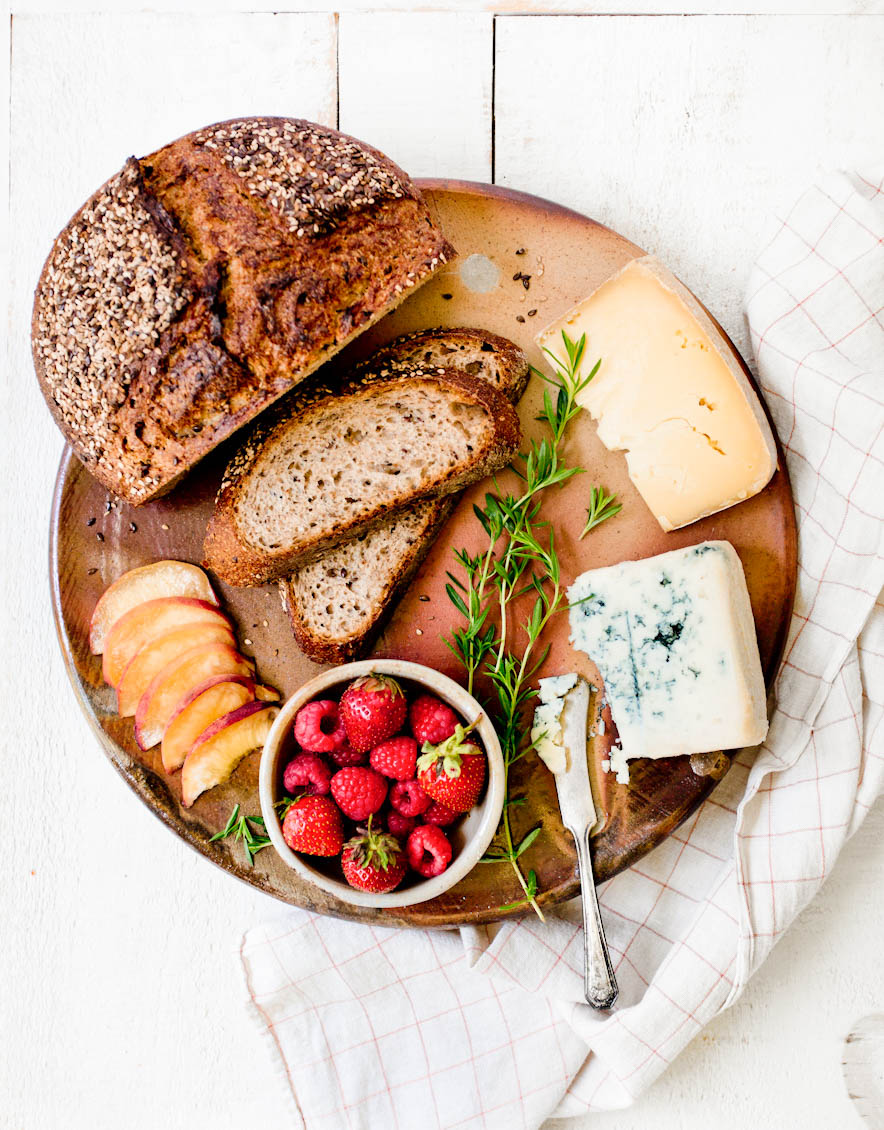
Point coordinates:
[[154, 656], [162, 578], [221, 747], [204, 705], [266, 694], [147, 621], [177, 680]]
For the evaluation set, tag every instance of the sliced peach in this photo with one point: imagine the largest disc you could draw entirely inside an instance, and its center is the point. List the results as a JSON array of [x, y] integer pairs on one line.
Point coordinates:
[[266, 694], [147, 621], [204, 705], [154, 656], [221, 747], [177, 680], [162, 578]]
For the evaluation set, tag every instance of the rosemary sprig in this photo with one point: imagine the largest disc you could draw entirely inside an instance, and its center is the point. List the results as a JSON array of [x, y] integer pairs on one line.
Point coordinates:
[[240, 828], [520, 559], [601, 507]]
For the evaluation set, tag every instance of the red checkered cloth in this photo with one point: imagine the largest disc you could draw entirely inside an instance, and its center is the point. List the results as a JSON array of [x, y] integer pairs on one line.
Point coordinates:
[[487, 1027]]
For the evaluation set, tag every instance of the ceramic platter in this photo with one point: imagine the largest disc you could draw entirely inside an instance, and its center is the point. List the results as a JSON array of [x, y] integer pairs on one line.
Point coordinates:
[[95, 538]]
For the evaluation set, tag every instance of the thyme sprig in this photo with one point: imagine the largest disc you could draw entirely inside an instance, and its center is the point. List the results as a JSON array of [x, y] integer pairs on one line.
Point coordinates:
[[240, 828], [601, 507], [519, 559]]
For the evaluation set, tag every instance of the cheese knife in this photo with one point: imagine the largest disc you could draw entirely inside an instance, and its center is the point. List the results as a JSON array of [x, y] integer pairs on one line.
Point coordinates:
[[579, 817]]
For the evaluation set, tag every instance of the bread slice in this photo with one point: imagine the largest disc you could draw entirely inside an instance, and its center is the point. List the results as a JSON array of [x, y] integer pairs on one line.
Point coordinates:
[[333, 464], [204, 281], [338, 603]]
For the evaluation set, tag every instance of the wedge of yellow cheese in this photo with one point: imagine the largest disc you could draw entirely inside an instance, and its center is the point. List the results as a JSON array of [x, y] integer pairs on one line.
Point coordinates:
[[670, 393]]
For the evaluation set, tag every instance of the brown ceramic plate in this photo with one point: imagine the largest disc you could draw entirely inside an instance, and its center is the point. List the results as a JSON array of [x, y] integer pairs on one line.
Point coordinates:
[[95, 538]]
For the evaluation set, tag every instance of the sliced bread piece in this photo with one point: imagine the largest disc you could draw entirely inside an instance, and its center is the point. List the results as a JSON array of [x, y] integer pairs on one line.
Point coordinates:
[[339, 602], [333, 464], [478, 353]]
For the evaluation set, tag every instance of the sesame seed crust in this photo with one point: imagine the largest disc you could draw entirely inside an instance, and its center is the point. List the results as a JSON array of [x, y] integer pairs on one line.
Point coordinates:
[[204, 281], [112, 285], [308, 175]]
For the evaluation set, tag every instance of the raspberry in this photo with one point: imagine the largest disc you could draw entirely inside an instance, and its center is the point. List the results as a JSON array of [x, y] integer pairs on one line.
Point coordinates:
[[359, 792], [431, 719], [440, 814], [409, 798], [318, 727], [346, 755], [399, 825], [395, 758], [313, 825], [307, 771], [428, 851]]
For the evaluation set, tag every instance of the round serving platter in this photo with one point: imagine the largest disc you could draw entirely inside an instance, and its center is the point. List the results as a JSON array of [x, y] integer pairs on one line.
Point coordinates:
[[522, 262]]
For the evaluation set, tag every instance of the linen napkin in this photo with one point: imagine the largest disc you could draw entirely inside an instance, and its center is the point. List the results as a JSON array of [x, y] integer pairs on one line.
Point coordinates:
[[486, 1027]]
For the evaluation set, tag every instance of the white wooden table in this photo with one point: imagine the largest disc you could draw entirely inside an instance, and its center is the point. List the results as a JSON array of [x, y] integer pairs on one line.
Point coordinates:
[[120, 999]]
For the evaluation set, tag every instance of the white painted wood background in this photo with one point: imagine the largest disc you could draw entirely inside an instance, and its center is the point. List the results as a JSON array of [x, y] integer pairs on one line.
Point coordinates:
[[120, 994]]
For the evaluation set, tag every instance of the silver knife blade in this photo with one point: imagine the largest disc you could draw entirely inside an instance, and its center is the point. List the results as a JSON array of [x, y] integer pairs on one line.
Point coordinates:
[[579, 817], [572, 785]]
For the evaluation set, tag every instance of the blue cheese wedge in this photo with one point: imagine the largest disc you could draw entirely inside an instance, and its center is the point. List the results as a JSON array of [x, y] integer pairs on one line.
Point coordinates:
[[546, 732], [674, 640]]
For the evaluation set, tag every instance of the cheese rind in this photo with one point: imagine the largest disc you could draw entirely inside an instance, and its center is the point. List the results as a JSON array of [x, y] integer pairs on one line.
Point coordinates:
[[674, 639], [669, 392]]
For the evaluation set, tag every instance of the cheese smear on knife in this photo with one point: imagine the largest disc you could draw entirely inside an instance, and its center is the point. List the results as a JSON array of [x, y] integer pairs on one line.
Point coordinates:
[[670, 393], [546, 731], [674, 640]]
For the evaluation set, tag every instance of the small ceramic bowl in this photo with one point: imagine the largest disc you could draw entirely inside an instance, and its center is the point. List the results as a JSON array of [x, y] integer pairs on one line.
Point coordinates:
[[470, 837]]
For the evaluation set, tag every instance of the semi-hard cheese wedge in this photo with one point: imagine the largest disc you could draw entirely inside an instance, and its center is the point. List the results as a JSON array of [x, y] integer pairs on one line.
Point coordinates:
[[670, 393], [674, 640]]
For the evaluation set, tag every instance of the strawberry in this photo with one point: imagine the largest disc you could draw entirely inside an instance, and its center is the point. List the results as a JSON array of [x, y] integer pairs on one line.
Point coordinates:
[[373, 861], [453, 771], [428, 851], [431, 719], [373, 708], [313, 825], [396, 758], [359, 792]]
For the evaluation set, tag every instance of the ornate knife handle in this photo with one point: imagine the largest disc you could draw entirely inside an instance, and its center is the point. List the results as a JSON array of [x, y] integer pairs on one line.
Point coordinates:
[[600, 985]]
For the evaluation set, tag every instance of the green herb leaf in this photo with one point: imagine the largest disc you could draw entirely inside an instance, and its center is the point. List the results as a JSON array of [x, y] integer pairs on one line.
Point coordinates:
[[601, 507], [456, 599], [228, 827], [528, 840], [239, 827]]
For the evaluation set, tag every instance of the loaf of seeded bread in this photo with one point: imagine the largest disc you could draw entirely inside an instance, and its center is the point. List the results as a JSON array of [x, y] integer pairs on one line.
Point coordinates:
[[331, 464], [201, 283], [339, 602]]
